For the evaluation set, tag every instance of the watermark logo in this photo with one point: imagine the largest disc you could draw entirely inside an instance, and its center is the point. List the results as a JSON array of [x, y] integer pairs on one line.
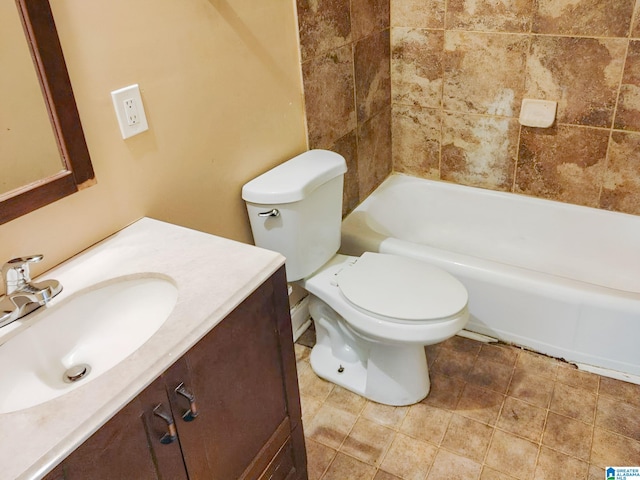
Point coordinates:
[[622, 473]]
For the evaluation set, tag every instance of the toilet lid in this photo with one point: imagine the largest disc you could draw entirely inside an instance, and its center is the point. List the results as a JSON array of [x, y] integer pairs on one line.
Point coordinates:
[[401, 288]]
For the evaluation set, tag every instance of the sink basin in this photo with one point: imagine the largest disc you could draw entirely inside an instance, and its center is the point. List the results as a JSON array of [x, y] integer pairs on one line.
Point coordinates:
[[71, 343]]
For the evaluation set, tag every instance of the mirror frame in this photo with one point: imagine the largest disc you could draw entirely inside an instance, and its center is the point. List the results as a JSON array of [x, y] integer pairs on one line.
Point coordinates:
[[77, 171]]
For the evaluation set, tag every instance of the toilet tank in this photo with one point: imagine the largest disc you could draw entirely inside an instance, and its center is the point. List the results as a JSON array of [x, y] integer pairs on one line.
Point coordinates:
[[296, 209]]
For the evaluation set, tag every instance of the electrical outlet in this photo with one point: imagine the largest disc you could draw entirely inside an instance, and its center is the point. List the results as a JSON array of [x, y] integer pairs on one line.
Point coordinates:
[[131, 110], [127, 103]]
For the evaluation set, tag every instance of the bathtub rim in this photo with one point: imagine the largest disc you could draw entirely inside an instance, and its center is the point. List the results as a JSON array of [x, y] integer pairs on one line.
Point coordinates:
[[625, 304]]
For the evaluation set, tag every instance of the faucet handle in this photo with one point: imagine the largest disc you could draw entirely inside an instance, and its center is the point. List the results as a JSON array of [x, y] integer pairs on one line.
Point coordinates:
[[22, 260], [16, 271]]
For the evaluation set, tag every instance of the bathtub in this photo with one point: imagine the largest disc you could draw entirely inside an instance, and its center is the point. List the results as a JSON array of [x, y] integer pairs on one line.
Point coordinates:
[[559, 279]]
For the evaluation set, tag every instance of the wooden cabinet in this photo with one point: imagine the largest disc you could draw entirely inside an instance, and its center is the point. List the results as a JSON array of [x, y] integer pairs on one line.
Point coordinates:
[[127, 447], [240, 379]]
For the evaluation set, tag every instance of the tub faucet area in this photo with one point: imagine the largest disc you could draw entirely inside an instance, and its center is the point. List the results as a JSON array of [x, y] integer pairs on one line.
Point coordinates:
[[22, 296]]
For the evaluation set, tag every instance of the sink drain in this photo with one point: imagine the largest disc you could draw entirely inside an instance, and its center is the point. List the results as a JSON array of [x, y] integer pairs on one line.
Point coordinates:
[[77, 372]]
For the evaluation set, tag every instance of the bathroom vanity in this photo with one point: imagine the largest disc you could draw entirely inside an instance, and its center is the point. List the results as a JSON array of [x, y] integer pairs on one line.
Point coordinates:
[[212, 394]]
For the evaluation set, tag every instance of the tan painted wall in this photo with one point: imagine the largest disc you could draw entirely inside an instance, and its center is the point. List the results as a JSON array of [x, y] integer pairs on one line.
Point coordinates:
[[220, 82]]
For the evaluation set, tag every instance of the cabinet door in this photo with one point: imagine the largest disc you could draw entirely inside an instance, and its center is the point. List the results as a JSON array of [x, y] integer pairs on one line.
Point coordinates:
[[128, 446], [236, 374]]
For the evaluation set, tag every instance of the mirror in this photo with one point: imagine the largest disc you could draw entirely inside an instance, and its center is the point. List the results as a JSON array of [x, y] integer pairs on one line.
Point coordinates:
[[53, 159]]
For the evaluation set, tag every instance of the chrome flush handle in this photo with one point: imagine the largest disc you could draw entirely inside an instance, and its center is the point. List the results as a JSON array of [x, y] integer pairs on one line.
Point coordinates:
[[271, 213]]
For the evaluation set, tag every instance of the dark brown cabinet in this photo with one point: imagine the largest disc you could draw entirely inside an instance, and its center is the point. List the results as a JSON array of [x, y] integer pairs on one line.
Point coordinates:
[[240, 380]]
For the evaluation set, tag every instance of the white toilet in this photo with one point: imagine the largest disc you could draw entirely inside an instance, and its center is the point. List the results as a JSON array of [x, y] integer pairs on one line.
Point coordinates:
[[374, 313]]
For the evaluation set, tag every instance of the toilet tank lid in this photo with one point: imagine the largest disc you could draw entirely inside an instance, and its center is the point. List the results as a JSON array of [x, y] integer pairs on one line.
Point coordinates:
[[294, 179]]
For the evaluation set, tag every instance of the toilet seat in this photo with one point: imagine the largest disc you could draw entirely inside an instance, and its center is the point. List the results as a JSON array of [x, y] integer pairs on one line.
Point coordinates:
[[401, 289], [323, 284]]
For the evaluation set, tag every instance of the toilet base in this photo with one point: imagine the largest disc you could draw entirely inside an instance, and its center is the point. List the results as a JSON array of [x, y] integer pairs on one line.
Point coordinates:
[[390, 374]]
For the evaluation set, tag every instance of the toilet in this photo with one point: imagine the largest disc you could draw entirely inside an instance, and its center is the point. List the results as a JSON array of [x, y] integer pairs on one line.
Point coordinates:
[[373, 314]]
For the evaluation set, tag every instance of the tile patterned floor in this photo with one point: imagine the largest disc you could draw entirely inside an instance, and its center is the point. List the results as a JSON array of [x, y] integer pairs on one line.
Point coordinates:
[[495, 412]]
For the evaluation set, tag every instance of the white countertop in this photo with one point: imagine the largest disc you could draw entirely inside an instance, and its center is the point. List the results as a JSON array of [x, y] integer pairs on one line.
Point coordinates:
[[213, 276]]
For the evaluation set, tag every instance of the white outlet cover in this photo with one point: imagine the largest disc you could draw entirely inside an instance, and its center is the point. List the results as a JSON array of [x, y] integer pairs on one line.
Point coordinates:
[[130, 95]]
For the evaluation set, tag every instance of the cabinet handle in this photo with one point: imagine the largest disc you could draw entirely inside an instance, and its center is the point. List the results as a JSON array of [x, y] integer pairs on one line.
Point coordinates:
[[171, 435], [192, 413]]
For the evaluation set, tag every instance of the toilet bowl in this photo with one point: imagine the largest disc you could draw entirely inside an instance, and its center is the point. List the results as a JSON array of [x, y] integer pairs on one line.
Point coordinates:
[[373, 314]]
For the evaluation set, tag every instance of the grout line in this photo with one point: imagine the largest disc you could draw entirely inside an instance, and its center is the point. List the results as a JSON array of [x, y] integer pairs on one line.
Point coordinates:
[[607, 161], [514, 183], [524, 33], [506, 394], [506, 117], [442, 112]]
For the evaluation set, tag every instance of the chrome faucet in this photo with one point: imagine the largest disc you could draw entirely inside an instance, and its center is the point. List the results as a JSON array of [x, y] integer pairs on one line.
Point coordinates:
[[21, 295]]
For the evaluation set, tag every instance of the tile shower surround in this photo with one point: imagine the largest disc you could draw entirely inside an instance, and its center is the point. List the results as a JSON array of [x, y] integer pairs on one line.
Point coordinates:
[[433, 88], [495, 412]]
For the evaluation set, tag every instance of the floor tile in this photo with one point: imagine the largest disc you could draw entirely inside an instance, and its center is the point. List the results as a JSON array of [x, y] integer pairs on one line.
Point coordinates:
[[467, 438], [480, 404], [345, 467], [512, 455], [552, 464], [319, 457], [368, 441], [610, 449], [346, 400], [531, 388], [382, 475], [491, 375], [330, 426], [505, 355], [522, 419], [445, 391], [567, 435], [573, 402], [386, 415], [302, 352], [310, 406], [426, 423], [570, 375], [454, 363], [409, 458], [596, 473], [311, 384], [555, 421], [432, 353], [489, 473], [623, 391], [449, 466], [618, 417], [537, 364]]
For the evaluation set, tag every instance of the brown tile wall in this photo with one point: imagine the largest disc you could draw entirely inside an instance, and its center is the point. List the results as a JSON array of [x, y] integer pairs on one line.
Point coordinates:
[[433, 88], [460, 69], [345, 50]]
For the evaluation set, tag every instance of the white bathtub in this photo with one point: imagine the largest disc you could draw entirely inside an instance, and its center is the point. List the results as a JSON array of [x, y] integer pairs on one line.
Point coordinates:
[[560, 279]]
